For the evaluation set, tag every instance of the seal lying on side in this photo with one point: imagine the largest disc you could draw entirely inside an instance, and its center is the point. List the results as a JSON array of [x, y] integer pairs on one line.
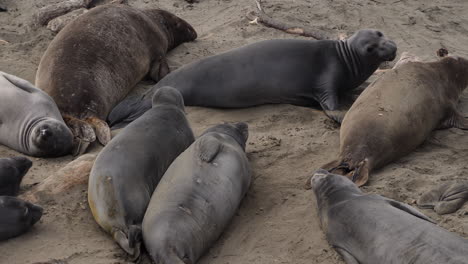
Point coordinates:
[[12, 171], [397, 112], [445, 199], [286, 71], [30, 121], [128, 169], [198, 195], [17, 216], [97, 59], [370, 229]]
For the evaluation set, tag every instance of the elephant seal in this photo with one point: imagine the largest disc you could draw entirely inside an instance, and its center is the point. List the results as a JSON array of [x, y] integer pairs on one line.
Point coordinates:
[[445, 199], [198, 195], [12, 171], [97, 59], [17, 216], [30, 121], [397, 112], [287, 71], [128, 168], [369, 228]]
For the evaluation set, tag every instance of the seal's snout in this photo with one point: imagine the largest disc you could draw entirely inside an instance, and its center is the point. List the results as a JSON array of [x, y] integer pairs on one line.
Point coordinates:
[[243, 129], [318, 177], [388, 50], [23, 164], [35, 212], [52, 137]]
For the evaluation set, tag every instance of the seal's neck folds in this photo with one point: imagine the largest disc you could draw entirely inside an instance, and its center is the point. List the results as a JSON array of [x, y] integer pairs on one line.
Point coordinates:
[[26, 133], [350, 57]]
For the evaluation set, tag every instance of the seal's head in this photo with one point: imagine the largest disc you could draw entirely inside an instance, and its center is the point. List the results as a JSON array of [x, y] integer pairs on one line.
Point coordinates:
[[17, 216], [168, 96], [178, 30], [373, 45], [239, 131], [12, 171], [50, 137], [457, 70]]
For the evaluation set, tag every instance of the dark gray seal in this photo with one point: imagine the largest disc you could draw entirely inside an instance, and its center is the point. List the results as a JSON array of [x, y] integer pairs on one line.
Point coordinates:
[[97, 59], [17, 216], [371, 229], [30, 121], [12, 171], [287, 71], [128, 169], [198, 195], [446, 198]]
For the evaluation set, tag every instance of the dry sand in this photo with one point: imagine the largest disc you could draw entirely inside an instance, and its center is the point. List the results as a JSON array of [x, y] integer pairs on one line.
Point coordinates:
[[277, 221]]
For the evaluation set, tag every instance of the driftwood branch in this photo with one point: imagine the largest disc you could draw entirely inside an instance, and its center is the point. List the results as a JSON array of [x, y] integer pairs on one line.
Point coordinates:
[[263, 18]]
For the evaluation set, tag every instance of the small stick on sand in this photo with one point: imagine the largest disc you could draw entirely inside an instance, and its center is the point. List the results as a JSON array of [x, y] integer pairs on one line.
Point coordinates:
[[266, 20], [4, 41]]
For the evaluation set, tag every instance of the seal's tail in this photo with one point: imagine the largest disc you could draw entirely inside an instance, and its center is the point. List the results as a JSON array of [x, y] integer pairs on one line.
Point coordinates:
[[131, 243], [358, 173]]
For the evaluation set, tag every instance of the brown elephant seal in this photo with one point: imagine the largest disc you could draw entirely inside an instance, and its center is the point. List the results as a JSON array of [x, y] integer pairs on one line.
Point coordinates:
[[30, 121], [283, 71], [371, 229], [12, 171], [17, 216], [128, 169], [97, 59], [198, 195], [397, 112], [446, 198]]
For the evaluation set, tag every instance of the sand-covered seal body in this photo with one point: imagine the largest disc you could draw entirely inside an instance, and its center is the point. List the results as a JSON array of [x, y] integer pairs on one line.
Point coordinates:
[[30, 121], [12, 171], [128, 169], [97, 59], [17, 216], [198, 195], [287, 71], [397, 112], [370, 229]]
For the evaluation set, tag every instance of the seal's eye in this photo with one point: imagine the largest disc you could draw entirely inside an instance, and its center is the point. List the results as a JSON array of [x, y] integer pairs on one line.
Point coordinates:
[[370, 49], [379, 34]]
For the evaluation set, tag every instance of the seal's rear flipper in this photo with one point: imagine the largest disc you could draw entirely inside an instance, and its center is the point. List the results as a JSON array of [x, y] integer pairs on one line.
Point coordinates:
[[330, 167], [360, 174], [127, 111], [347, 257], [101, 129], [445, 199], [132, 243], [208, 148], [83, 134], [455, 120], [409, 209], [20, 83]]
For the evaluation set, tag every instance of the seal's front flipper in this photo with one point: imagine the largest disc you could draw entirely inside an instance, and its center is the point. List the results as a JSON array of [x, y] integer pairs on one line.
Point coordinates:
[[128, 111], [409, 209], [330, 108], [159, 69], [347, 257], [102, 130], [20, 83], [445, 199], [455, 120], [130, 244], [208, 148]]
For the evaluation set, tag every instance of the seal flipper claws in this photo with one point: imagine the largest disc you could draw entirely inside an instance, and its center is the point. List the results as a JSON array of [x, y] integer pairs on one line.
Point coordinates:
[[347, 257], [126, 243], [208, 148], [79, 147], [360, 174], [409, 209], [102, 130]]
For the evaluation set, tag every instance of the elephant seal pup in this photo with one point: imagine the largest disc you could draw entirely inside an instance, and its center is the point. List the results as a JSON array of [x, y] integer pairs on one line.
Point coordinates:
[[12, 171], [30, 121], [97, 59], [445, 199], [287, 71], [17, 216], [369, 228], [397, 112], [128, 169], [198, 195]]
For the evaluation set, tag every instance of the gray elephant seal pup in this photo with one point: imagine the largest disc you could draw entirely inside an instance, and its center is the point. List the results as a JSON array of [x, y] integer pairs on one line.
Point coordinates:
[[128, 169], [12, 171], [283, 71], [198, 195], [446, 198], [370, 229], [397, 112], [97, 59], [30, 121], [17, 216]]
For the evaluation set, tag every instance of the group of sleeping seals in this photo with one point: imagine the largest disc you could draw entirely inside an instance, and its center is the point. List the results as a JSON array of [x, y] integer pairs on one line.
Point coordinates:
[[16, 215]]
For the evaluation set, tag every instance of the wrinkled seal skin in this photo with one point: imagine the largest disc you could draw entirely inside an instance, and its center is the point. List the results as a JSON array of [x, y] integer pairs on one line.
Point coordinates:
[[128, 169], [12, 171], [397, 112], [197, 196], [370, 229], [446, 198], [17, 216], [30, 121], [286, 71], [97, 59]]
